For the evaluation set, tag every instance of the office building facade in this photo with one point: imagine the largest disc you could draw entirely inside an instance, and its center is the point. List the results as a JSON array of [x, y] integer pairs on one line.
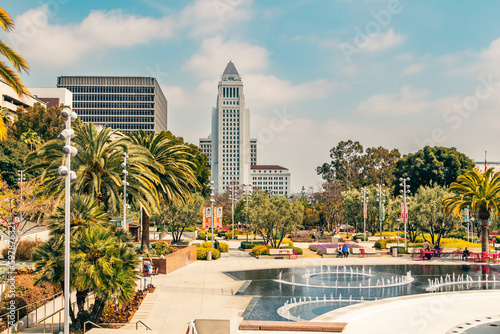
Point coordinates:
[[126, 103], [232, 154], [273, 179]]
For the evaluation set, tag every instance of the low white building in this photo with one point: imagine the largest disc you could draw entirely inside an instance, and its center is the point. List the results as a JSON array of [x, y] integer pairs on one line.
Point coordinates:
[[54, 97], [10, 101], [271, 178]]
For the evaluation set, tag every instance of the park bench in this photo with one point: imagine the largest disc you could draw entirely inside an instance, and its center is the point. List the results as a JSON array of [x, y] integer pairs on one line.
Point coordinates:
[[282, 253], [362, 252]]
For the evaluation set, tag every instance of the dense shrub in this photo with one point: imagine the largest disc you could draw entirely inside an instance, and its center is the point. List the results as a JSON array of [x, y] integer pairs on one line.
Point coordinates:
[[382, 243], [203, 234], [401, 249], [197, 244], [260, 250], [249, 245], [206, 244], [287, 241], [201, 253], [224, 247], [221, 234], [298, 249], [161, 248], [190, 229], [24, 251], [360, 237]]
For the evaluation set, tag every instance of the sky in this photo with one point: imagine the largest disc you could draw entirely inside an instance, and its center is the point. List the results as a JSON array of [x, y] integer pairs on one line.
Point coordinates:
[[398, 74]]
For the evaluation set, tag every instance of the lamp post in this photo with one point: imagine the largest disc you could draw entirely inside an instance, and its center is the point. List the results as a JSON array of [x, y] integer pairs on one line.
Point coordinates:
[[381, 201], [404, 208], [70, 175], [365, 203], [212, 207], [247, 192], [125, 184], [21, 180], [231, 197]]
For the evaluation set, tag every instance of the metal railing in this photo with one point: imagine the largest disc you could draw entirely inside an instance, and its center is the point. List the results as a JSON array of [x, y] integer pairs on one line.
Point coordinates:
[[114, 324]]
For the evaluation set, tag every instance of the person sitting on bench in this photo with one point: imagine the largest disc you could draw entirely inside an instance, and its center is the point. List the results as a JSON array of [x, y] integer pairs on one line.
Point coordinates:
[[465, 254], [340, 253], [345, 250]]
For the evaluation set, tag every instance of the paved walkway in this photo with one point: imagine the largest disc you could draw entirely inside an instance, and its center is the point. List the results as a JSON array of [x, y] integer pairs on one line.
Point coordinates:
[[202, 291]]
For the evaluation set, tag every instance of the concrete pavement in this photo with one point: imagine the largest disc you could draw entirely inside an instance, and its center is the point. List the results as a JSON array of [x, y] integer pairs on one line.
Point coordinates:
[[202, 291]]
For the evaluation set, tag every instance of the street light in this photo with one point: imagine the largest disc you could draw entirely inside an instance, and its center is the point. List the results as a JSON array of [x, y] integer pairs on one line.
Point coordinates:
[[125, 184], [231, 197], [404, 207], [21, 179], [381, 201], [212, 206], [365, 204], [70, 175], [247, 193]]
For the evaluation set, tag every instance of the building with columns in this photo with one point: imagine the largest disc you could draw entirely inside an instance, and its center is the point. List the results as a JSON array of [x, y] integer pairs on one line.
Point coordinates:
[[231, 153]]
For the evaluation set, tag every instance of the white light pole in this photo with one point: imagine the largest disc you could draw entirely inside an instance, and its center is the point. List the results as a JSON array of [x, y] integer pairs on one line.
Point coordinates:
[[21, 180], [381, 201], [125, 184], [231, 197], [212, 206], [365, 203], [70, 175], [404, 193], [247, 192]]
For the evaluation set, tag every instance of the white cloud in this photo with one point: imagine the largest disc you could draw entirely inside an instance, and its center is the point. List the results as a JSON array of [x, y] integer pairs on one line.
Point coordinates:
[[215, 53], [205, 17], [382, 41], [56, 45], [265, 90], [406, 101], [413, 69]]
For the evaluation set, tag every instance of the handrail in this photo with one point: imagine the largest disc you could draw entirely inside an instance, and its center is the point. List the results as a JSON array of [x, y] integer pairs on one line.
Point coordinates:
[[137, 327], [48, 298], [85, 325]]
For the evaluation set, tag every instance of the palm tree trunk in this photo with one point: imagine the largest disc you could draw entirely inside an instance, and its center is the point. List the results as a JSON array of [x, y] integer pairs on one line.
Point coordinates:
[[485, 226], [145, 232]]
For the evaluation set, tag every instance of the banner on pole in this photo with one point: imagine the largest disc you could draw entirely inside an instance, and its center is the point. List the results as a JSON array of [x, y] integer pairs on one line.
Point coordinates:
[[207, 217], [365, 210]]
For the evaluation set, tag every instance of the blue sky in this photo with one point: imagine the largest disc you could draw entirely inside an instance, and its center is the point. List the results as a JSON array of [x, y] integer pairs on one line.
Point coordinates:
[[398, 74]]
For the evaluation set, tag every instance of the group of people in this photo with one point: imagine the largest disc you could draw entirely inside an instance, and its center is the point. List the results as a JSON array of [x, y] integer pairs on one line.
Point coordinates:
[[343, 250], [436, 250]]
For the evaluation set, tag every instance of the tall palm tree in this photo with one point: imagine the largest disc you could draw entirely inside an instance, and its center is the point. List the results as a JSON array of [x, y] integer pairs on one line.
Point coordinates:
[[172, 168], [478, 191], [98, 168]]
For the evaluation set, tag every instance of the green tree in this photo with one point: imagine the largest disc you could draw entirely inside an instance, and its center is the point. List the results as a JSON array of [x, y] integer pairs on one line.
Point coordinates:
[[98, 168], [12, 154], [48, 124], [18, 62], [200, 166], [345, 164], [31, 138], [273, 217], [431, 165], [176, 217], [173, 170], [479, 192], [329, 202], [378, 165], [429, 216]]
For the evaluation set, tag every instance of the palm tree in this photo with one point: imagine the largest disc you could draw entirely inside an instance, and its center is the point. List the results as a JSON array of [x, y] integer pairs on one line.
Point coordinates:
[[478, 191], [172, 168], [104, 265], [31, 138], [84, 213], [98, 168], [18, 62]]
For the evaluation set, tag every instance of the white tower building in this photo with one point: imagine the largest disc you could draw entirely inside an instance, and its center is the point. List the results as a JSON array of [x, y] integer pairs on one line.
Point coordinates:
[[231, 151]]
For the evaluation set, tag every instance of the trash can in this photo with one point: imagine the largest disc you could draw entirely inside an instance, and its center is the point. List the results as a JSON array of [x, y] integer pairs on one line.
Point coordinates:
[[395, 251], [209, 256]]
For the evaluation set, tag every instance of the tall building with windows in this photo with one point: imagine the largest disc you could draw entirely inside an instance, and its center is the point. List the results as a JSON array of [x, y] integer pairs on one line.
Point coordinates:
[[126, 103], [232, 154]]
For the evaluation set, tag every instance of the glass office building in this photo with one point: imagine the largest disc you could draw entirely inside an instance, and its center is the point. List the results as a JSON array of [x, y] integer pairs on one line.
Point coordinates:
[[126, 103]]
